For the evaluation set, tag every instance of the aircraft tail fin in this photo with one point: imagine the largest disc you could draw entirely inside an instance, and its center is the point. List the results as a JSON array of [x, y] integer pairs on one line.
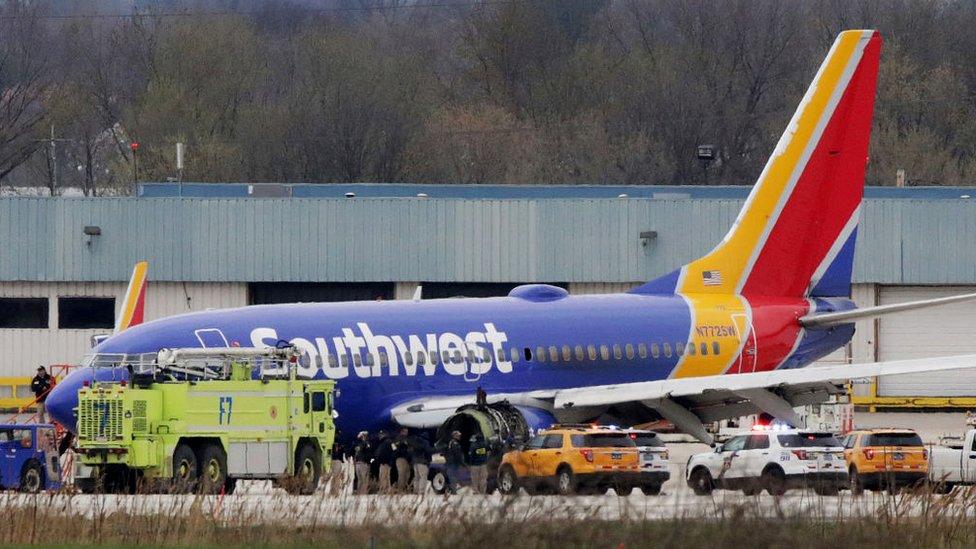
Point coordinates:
[[795, 234], [134, 304]]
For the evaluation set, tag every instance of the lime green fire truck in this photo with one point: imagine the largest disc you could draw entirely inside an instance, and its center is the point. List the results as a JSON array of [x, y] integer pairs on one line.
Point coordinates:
[[199, 420]]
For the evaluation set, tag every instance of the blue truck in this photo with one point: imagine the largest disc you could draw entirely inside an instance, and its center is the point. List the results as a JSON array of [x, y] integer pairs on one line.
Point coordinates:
[[30, 458]]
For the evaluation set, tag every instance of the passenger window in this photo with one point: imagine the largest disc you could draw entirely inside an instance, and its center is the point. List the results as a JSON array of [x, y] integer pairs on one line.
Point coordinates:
[[642, 350], [457, 357], [471, 357], [447, 357], [715, 348], [384, 359], [735, 444], [333, 361], [344, 359], [501, 355], [679, 348], [515, 354], [566, 353], [757, 442], [704, 348], [578, 441], [369, 359], [553, 442], [591, 352], [528, 354], [421, 358], [629, 349], [540, 354], [408, 358], [655, 350], [667, 350], [487, 355], [691, 349], [357, 360], [616, 352], [553, 354], [536, 442], [434, 357], [604, 352]]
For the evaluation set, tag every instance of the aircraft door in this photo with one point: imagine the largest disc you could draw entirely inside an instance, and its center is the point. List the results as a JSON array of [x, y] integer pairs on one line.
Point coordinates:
[[749, 354]]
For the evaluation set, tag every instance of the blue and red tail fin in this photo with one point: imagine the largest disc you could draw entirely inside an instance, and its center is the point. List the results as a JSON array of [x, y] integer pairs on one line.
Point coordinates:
[[795, 234]]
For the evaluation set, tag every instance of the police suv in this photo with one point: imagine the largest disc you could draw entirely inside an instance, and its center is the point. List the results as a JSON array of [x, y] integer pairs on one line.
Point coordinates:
[[775, 458]]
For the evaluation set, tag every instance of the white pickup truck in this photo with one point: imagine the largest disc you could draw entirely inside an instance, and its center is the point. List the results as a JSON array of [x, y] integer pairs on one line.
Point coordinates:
[[953, 461]]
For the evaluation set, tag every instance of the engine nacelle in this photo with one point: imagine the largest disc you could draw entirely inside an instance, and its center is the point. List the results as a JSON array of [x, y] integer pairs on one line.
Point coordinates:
[[503, 425]]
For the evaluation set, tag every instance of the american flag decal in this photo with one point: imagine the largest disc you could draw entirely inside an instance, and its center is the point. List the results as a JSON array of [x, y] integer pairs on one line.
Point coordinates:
[[712, 278]]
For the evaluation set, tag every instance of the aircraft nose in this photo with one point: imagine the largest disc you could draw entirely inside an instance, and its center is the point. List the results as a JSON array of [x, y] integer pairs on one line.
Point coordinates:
[[63, 399]]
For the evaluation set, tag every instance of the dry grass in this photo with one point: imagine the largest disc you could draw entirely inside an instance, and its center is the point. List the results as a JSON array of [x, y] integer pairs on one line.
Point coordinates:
[[328, 520]]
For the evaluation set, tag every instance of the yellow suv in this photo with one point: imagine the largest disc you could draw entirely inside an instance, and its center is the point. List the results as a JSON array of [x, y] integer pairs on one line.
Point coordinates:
[[885, 459], [578, 458]]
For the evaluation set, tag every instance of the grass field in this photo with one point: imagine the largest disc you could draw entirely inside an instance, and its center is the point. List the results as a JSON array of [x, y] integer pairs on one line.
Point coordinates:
[[910, 520]]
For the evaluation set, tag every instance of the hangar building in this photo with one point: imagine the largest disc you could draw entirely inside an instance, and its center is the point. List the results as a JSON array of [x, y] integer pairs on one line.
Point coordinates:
[[226, 245]]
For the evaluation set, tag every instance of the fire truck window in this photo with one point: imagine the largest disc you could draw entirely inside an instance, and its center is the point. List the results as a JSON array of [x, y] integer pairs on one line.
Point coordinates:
[[318, 402]]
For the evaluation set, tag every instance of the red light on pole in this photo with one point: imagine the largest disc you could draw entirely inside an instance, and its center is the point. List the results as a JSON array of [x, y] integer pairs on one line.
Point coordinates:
[[134, 146]]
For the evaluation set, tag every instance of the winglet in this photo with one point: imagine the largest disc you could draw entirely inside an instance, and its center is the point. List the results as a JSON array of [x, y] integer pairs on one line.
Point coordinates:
[[133, 306]]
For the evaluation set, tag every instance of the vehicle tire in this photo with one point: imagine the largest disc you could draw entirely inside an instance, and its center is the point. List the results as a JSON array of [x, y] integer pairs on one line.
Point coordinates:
[[31, 477], [701, 482], [508, 482], [565, 481], [624, 490], [774, 481], [857, 485], [185, 469], [212, 471], [652, 489], [308, 469], [438, 482]]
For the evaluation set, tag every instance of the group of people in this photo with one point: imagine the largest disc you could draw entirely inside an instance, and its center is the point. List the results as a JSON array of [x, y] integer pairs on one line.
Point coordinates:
[[377, 459]]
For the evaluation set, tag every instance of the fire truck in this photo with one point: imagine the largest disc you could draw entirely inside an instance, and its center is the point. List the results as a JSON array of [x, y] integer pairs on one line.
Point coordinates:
[[200, 419]]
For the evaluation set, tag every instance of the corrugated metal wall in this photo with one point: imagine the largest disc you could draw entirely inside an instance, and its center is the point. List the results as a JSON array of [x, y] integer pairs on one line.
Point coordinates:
[[25, 349], [586, 240]]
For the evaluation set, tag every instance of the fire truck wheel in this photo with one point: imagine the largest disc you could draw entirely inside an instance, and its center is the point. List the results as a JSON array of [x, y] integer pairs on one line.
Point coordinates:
[[184, 468], [308, 467], [213, 469], [31, 477]]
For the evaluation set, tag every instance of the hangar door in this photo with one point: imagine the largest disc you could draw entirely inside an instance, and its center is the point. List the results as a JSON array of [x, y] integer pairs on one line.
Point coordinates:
[[937, 331]]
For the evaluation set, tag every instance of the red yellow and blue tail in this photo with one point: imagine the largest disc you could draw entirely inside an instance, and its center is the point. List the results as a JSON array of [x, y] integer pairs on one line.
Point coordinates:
[[134, 304], [795, 234]]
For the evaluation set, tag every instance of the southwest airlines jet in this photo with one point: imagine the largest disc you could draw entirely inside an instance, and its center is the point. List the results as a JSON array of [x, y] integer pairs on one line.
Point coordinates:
[[723, 336]]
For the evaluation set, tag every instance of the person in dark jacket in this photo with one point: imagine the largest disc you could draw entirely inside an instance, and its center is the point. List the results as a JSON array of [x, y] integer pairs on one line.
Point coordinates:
[[362, 455], [401, 456], [41, 385], [385, 458], [420, 454], [478, 463], [454, 458]]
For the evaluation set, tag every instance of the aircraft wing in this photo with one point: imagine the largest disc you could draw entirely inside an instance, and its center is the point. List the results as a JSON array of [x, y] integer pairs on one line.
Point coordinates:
[[689, 402]]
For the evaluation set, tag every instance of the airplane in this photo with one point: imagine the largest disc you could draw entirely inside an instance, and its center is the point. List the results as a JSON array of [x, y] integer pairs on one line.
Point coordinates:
[[724, 336]]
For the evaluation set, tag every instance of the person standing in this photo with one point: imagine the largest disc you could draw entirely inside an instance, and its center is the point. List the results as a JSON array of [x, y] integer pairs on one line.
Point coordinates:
[[478, 463], [362, 455], [420, 454], [401, 455], [41, 385], [454, 459], [385, 458]]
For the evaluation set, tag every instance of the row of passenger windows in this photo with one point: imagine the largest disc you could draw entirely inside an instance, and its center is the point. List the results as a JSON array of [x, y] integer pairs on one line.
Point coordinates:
[[541, 354], [591, 352]]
